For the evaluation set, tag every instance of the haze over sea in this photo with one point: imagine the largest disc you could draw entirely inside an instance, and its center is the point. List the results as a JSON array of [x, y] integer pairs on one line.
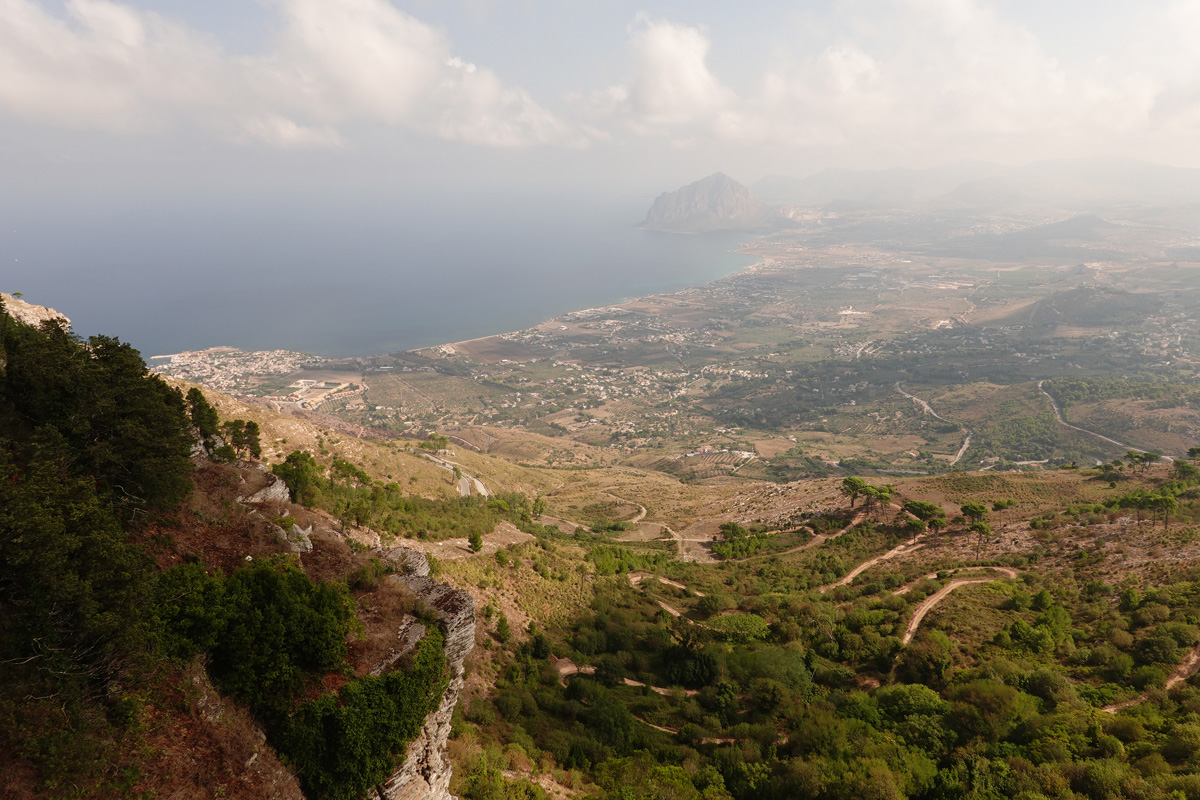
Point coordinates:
[[343, 278]]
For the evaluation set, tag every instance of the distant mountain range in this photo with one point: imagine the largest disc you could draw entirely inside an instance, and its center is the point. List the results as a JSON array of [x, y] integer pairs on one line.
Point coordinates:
[[1072, 186], [1081, 184]]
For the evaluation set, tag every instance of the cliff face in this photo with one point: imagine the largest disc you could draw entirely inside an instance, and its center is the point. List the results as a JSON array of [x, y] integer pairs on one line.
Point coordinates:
[[425, 773], [717, 202]]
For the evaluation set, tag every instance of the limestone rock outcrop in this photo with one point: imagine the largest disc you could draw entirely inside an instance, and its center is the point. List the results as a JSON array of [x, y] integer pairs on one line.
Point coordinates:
[[30, 314], [276, 491], [425, 773]]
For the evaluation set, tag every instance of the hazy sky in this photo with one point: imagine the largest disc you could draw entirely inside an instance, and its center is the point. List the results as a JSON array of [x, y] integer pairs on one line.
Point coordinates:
[[617, 95]]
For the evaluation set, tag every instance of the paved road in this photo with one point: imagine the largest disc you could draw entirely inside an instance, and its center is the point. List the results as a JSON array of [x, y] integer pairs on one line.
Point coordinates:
[[467, 484], [1058, 415]]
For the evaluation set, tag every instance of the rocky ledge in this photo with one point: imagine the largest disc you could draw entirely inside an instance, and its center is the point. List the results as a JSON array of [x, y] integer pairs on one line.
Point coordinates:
[[425, 773], [29, 313]]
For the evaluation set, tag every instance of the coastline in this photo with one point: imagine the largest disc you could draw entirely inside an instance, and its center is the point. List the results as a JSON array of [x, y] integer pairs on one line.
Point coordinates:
[[463, 345]]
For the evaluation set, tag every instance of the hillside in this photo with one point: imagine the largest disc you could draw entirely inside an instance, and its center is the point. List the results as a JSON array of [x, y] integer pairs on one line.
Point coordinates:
[[1078, 184], [959, 633], [173, 625]]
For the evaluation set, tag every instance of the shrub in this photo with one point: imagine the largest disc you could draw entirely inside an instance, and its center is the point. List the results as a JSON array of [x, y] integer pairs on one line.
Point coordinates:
[[281, 625], [343, 744]]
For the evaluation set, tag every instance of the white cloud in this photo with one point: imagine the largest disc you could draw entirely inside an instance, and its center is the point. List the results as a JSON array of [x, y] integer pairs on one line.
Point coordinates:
[[930, 79], [671, 92], [106, 66], [335, 62], [911, 79], [672, 84], [277, 131]]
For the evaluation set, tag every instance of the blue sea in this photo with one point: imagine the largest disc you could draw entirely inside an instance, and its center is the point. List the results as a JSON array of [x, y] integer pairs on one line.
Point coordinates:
[[342, 278]]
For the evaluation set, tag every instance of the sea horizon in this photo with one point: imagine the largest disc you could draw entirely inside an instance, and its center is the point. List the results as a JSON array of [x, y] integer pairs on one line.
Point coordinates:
[[355, 284]]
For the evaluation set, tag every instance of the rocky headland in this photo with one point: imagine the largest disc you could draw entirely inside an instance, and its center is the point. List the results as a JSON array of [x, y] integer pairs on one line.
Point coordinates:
[[715, 203]]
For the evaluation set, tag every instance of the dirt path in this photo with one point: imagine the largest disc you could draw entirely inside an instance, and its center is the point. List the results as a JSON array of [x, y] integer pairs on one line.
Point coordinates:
[[906, 588], [820, 538], [566, 666], [907, 547], [694, 542], [546, 782], [706, 740], [503, 535], [1058, 415], [674, 612], [1188, 668], [641, 515], [564, 525], [635, 578], [929, 410], [933, 600]]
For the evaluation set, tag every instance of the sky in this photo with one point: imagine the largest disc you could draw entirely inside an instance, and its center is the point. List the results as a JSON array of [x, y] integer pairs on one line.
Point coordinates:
[[194, 173], [153, 96]]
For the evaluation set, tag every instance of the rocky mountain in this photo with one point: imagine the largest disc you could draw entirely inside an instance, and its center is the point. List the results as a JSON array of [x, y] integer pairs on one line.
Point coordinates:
[[717, 202]]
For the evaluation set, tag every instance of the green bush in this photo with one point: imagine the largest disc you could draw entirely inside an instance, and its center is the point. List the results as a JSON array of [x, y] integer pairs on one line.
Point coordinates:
[[281, 625], [343, 744], [190, 605]]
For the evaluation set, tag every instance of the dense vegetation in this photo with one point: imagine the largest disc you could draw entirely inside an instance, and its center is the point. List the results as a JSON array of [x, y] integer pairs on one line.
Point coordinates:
[[349, 493], [94, 451], [764, 688]]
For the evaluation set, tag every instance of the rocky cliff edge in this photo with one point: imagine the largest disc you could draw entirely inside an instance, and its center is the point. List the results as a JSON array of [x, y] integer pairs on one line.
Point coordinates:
[[30, 314], [425, 773]]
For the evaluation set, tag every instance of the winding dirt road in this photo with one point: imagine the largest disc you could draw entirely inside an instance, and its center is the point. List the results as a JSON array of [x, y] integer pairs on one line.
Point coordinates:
[[962, 451], [820, 538], [635, 578], [907, 547], [566, 666], [929, 603], [1188, 668]]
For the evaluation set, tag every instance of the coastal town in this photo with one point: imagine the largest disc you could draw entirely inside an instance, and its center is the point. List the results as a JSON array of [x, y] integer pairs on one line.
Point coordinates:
[[790, 367], [263, 374]]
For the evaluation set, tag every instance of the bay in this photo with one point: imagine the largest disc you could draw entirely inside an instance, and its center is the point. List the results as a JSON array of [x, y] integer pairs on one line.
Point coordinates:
[[343, 278]]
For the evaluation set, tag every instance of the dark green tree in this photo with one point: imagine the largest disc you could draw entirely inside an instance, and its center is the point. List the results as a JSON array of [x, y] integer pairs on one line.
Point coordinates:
[[975, 512], [923, 510], [853, 487], [203, 415], [301, 472]]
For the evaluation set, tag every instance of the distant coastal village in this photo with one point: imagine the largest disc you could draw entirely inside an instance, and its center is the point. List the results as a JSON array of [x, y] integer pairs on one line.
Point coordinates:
[[229, 369]]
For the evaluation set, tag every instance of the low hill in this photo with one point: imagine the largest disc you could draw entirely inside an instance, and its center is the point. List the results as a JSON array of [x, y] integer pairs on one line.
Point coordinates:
[[1068, 184]]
